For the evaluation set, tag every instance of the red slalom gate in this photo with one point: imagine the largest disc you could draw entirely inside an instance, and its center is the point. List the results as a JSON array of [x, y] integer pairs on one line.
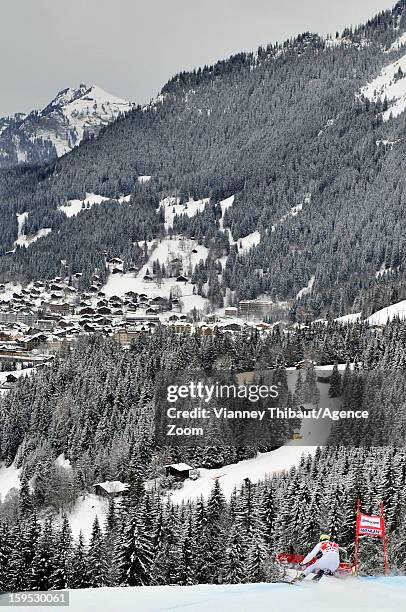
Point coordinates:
[[373, 527]]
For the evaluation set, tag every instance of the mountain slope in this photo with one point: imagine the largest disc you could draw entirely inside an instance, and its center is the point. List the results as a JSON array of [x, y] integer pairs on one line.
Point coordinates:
[[73, 115], [316, 174]]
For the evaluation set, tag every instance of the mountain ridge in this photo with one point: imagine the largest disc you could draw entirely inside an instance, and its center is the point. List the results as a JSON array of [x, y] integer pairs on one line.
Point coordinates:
[[72, 116]]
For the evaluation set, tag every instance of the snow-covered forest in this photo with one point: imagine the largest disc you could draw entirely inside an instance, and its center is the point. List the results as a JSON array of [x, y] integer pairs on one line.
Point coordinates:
[[245, 226]]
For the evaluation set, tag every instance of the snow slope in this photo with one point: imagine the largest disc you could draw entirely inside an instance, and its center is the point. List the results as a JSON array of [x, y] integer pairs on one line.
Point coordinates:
[[173, 208], [73, 207], [306, 290], [330, 595], [9, 479], [82, 516], [381, 317], [164, 251], [389, 84], [350, 318], [22, 238]]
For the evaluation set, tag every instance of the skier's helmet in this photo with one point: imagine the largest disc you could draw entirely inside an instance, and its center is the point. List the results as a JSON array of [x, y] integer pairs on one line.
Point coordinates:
[[325, 536]]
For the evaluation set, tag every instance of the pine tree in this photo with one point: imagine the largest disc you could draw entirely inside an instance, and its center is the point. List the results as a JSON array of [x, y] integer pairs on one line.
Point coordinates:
[[335, 383], [44, 563], [79, 576], [235, 561], [97, 558], [63, 545], [134, 553], [257, 560]]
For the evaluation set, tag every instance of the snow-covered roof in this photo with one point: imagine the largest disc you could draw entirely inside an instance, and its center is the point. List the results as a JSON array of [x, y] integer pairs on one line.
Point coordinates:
[[112, 486], [181, 467]]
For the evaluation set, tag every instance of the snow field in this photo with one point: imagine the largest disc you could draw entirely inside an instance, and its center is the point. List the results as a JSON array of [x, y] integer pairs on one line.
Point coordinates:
[[164, 251], [330, 594], [388, 84]]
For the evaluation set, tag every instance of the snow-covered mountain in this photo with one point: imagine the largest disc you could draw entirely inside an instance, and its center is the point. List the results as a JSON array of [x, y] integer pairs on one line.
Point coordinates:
[[72, 116]]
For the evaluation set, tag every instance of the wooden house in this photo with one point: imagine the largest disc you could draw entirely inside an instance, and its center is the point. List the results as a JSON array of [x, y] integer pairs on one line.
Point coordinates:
[[180, 471]]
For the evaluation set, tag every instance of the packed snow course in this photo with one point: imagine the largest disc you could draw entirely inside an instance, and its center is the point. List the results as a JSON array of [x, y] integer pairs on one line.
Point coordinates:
[[330, 594]]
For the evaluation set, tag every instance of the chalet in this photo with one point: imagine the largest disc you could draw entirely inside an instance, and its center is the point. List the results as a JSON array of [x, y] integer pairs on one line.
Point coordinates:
[[116, 271], [161, 303], [207, 330], [116, 260], [151, 311], [181, 328], [10, 378], [131, 294], [31, 342], [88, 310], [180, 471], [182, 279], [110, 488], [93, 289], [64, 324], [60, 308], [173, 318], [104, 310], [148, 278]]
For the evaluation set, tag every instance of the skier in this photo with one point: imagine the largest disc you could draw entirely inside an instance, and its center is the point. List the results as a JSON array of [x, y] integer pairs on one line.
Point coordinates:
[[327, 559]]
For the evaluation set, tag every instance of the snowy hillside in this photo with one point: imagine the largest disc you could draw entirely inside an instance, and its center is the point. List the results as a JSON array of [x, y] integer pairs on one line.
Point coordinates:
[[383, 316], [362, 595], [71, 116], [164, 251], [389, 85]]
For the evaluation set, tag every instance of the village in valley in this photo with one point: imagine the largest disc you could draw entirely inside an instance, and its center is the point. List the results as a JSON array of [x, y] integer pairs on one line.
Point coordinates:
[[42, 318]]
